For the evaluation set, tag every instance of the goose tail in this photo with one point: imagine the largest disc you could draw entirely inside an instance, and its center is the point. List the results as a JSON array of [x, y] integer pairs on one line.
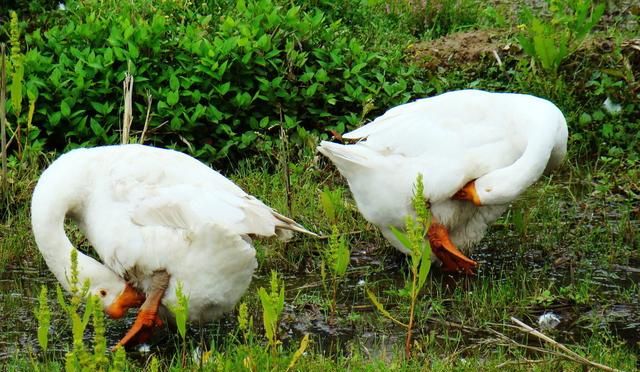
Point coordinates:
[[347, 158], [286, 226]]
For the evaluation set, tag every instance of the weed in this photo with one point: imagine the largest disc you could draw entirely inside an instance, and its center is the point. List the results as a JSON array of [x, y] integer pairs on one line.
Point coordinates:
[[79, 358], [43, 314], [550, 42], [181, 313], [304, 343], [414, 240], [272, 306], [337, 254]]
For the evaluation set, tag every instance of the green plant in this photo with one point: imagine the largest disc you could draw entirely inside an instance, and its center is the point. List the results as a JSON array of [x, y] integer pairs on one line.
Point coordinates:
[[17, 73], [551, 41], [413, 238], [304, 343], [272, 306], [221, 81], [245, 323], [337, 254], [79, 358], [43, 315], [181, 313]]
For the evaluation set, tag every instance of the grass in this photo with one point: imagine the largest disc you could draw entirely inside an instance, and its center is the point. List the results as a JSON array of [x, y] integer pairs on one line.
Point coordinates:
[[562, 257]]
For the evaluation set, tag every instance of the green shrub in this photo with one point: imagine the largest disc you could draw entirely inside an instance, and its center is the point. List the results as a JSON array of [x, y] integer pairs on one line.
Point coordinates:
[[222, 80], [551, 41]]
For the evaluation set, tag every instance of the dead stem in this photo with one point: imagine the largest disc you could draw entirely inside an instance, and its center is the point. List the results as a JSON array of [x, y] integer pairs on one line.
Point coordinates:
[[285, 163], [127, 116], [146, 119], [521, 362], [570, 354]]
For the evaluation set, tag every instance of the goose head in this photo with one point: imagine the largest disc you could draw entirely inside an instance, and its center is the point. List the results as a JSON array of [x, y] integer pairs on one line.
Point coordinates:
[[115, 294]]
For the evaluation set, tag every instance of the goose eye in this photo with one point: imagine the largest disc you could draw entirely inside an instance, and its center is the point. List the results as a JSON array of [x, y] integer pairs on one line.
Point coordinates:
[[103, 293]]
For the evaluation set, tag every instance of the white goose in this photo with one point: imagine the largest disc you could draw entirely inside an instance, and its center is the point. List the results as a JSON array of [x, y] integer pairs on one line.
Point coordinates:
[[477, 151], [156, 218]]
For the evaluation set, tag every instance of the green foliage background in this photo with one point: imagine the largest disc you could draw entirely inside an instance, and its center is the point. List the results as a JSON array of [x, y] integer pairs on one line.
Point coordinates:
[[222, 78], [225, 77]]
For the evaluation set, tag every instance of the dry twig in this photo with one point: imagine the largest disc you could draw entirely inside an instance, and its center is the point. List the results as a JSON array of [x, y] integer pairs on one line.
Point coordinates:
[[497, 57], [127, 117], [521, 362], [570, 354], [285, 163], [146, 120]]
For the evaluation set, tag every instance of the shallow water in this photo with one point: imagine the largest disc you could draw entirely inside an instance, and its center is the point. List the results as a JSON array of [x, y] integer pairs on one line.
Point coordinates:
[[20, 289]]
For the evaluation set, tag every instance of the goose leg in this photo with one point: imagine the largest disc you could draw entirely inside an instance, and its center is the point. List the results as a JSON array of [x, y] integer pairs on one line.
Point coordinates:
[[147, 317], [468, 192], [451, 257]]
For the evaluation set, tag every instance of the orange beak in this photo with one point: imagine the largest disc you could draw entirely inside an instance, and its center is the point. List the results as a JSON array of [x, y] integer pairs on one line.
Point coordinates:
[[468, 192], [130, 297]]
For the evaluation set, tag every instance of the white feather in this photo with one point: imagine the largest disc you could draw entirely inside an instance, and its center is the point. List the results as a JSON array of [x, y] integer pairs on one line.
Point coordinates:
[[145, 209], [504, 141]]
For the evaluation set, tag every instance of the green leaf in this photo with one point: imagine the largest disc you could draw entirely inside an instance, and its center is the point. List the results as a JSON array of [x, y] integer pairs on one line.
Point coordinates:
[[327, 205], [402, 237], [342, 257], [584, 119], [96, 128], [175, 123], [311, 90], [65, 110], [172, 97], [268, 313], [134, 52], [174, 84], [425, 264], [223, 88], [54, 118], [301, 349], [181, 310], [242, 99], [381, 309]]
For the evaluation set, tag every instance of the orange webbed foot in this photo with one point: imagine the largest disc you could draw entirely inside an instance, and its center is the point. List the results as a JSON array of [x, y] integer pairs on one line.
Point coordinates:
[[141, 329], [147, 318], [468, 192], [451, 257]]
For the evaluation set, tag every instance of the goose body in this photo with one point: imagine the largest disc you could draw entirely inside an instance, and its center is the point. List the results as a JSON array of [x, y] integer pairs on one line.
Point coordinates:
[[147, 210], [493, 145]]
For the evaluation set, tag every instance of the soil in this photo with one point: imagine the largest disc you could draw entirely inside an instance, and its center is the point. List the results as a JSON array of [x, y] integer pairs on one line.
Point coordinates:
[[496, 46], [462, 48]]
